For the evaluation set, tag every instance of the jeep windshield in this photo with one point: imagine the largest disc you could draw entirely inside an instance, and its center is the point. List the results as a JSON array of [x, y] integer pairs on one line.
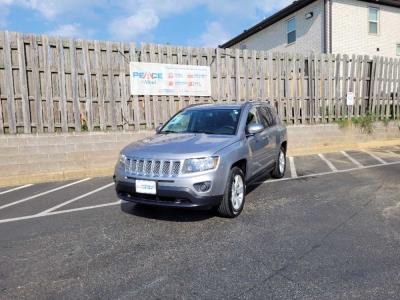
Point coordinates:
[[208, 121]]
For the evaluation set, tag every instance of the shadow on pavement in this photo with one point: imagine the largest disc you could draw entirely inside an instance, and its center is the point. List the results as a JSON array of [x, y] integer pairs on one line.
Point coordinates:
[[180, 214], [166, 213]]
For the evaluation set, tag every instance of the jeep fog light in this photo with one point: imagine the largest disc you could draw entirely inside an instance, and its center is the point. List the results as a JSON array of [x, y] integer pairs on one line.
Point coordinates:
[[202, 186]]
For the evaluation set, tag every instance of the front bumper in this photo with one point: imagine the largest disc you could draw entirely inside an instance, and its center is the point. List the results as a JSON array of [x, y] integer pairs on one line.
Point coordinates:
[[168, 196]]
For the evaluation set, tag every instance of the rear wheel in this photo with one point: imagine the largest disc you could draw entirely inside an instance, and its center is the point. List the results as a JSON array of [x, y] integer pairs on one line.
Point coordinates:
[[280, 165], [234, 197]]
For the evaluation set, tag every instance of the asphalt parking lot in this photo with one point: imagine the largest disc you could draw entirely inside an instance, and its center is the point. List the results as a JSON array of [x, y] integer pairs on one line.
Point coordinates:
[[330, 229]]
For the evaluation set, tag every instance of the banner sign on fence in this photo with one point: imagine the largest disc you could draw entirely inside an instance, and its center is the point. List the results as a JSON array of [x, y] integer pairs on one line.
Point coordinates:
[[169, 79]]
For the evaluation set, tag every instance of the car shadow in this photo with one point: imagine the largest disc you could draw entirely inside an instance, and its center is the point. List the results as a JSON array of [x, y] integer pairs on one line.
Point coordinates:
[[166, 213], [180, 214], [259, 181]]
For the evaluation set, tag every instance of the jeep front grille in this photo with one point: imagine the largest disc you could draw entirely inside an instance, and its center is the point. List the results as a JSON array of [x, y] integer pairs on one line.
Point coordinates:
[[153, 168]]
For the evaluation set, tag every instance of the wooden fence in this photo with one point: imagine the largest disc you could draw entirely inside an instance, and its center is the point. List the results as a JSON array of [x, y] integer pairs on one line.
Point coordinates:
[[58, 85]]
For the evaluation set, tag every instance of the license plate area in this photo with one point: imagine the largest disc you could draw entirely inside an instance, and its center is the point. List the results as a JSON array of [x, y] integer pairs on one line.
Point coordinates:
[[146, 187]]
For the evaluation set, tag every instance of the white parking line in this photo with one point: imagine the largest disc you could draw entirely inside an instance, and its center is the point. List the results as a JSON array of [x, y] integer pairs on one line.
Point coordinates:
[[15, 189], [330, 165], [119, 201], [292, 167], [374, 156], [58, 212], [44, 193], [392, 153], [328, 173], [353, 160], [75, 199]]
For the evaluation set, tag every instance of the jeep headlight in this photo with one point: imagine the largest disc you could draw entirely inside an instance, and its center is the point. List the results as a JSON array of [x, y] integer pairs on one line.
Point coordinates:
[[200, 164], [122, 160]]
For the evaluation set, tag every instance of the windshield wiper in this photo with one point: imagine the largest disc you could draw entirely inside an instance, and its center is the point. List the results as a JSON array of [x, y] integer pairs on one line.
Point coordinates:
[[169, 131], [201, 131]]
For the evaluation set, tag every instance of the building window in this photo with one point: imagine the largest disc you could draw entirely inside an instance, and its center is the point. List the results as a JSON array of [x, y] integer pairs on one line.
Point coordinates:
[[291, 31], [243, 46], [398, 49], [373, 20]]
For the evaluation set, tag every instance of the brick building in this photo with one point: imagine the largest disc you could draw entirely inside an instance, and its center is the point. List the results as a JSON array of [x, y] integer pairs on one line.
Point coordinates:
[[369, 27]]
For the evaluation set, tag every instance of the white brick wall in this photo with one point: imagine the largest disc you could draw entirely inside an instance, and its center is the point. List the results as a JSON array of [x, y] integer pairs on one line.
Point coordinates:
[[309, 33], [350, 29]]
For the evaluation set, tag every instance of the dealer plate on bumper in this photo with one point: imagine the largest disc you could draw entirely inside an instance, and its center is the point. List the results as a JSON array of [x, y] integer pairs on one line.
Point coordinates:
[[146, 187]]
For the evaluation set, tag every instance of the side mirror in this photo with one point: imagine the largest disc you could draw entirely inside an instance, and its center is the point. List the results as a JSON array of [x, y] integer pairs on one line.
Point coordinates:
[[158, 128], [254, 128]]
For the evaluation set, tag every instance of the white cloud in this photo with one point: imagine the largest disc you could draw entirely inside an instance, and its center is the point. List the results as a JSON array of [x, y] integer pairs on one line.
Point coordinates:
[[162, 8], [128, 28], [51, 9], [133, 19], [213, 36], [73, 30]]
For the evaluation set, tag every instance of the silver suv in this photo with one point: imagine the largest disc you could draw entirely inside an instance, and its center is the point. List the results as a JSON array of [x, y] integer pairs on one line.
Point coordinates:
[[203, 157]]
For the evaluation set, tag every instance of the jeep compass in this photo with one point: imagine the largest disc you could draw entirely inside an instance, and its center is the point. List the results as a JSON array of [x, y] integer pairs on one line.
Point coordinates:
[[203, 157]]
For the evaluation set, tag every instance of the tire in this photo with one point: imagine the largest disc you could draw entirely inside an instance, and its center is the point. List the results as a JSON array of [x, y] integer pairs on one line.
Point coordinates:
[[231, 207], [279, 170]]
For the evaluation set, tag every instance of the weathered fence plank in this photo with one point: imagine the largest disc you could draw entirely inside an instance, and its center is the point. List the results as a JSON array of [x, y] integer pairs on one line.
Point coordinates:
[[100, 86], [49, 95], [23, 84], [110, 89], [62, 101], [88, 85], [74, 86], [36, 88], [12, 126]]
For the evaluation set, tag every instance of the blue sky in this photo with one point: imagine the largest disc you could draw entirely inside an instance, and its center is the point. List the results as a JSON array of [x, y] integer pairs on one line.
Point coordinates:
[[179, 22]]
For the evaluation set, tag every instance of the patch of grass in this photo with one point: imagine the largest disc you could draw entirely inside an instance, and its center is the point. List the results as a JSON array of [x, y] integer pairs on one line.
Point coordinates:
[[365, 123], [344, 123], [84, 127]]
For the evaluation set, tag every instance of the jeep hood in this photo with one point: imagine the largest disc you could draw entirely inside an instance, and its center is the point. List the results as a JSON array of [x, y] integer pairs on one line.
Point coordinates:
[[179, 146]]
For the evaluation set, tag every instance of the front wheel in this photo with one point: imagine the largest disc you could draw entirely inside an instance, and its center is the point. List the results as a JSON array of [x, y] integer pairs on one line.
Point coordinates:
[[233, 201], [280, 165]]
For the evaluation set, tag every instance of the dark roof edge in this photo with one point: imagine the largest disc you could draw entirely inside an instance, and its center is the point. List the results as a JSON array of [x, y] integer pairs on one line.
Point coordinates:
[[283, 13]]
